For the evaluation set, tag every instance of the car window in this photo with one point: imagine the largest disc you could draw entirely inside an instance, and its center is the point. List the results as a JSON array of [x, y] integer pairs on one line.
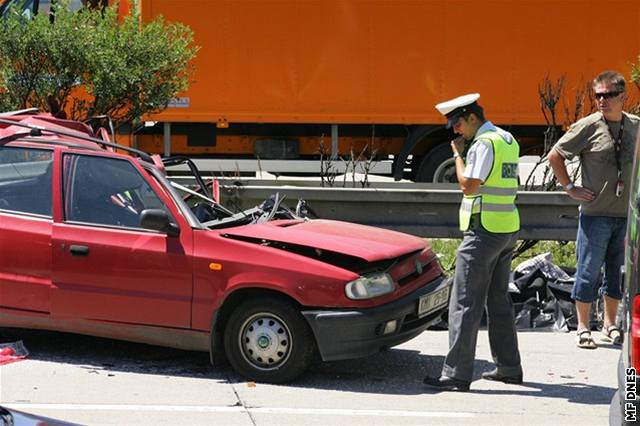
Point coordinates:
[[105, 191], [25, 180], [44, 6]]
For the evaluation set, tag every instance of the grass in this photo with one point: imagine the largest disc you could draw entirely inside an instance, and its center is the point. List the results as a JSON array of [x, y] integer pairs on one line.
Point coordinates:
[[562, 253]]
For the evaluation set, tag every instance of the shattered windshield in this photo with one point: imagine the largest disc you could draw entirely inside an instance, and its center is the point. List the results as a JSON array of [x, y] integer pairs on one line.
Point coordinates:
[[214, 215]]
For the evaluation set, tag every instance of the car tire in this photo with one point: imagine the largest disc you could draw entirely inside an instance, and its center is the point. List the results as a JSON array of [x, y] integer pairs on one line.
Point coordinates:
[[268, 340]]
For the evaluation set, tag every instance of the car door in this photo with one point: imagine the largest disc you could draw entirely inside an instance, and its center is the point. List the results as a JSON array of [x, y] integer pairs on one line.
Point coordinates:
[[105, 266], [25, 228]]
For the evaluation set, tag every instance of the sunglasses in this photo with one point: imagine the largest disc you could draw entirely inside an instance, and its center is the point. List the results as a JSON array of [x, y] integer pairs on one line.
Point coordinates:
[[607, 95]]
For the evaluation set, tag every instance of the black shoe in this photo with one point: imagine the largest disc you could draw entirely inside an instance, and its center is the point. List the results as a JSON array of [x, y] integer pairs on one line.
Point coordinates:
[[445, 383], [497, 377]]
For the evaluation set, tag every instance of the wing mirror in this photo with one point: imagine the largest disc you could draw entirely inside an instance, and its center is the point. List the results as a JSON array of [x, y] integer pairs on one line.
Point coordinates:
[[158, 220]]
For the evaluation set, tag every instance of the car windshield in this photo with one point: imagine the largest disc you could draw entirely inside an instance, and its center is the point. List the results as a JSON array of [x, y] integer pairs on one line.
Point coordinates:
[[213, 215]]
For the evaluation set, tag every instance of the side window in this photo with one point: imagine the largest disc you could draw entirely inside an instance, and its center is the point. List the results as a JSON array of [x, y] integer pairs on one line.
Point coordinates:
[[105, 191], [25, 180]]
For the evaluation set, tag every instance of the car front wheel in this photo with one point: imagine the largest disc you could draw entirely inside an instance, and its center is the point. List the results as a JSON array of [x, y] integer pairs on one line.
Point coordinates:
[[268, 340]]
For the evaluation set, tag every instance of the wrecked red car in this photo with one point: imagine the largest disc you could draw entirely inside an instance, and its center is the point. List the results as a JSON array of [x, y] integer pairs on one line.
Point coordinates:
[[97, 242]]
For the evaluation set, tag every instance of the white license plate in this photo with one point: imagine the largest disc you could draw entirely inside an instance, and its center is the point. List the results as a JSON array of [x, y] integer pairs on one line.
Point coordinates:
[[431, 302]]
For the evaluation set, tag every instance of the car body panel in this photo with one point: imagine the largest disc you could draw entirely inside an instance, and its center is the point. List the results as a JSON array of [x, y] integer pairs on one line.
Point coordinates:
[[127, 276], [362, 241], [162, 336], [11, 417], [625, 406], [244, 265], [25, 263]]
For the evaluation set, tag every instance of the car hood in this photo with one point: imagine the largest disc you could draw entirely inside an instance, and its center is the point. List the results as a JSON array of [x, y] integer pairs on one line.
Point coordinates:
[[366, 242]]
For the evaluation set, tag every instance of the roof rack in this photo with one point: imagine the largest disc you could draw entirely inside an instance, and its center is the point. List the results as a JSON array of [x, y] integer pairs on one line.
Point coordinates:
[[20, 112], [37, 131]]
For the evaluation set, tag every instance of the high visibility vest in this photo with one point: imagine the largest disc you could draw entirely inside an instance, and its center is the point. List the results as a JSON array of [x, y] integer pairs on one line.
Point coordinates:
[[497, 195]]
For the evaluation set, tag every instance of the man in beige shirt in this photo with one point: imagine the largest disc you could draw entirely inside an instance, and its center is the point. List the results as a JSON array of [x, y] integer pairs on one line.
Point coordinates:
[[604, 142]]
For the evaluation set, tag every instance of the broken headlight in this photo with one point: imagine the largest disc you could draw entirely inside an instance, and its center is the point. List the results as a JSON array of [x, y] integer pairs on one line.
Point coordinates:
[[369, 286]]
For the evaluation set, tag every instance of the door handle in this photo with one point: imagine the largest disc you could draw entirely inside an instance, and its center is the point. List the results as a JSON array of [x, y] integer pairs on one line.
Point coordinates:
[[76, 250]]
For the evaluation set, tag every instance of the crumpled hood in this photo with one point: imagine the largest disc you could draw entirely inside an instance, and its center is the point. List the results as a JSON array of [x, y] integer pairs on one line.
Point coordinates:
[[366, 242]]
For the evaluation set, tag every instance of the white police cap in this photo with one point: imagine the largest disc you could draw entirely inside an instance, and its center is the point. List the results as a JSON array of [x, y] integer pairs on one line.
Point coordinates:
[[454, 108]]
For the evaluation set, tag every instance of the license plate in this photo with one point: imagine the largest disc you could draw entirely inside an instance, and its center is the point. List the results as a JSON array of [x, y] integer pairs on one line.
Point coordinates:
[[431, 302]]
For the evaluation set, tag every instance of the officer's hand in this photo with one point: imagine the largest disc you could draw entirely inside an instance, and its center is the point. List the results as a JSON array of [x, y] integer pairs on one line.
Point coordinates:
[[457, 145], [580, 193]]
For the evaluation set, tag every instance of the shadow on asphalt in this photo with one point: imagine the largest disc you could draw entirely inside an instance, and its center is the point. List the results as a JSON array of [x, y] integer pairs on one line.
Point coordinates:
[[400, 371], [579, 393], [112, 356], [396, 371]]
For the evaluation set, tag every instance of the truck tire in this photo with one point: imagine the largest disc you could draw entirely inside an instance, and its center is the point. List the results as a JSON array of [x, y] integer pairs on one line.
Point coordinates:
[[268, 340], [437, 166]]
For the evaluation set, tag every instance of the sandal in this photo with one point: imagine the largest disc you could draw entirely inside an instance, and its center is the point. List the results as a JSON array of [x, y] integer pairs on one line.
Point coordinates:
[[585, 341], [613, 333]]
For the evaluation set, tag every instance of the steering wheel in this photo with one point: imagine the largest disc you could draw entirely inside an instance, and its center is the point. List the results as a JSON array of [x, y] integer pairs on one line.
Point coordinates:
[[204, 212], [270, 209]]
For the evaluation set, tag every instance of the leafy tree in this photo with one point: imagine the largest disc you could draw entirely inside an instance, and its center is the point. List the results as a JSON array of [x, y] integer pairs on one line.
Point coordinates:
[[92, 62], [634, 106]]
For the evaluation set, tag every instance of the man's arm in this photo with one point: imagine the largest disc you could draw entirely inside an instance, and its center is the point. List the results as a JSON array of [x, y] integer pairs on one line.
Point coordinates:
[[469, 186], [556, 160]]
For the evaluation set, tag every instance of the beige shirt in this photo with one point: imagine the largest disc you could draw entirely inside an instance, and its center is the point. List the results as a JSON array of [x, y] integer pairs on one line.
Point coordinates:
[[590, 139]]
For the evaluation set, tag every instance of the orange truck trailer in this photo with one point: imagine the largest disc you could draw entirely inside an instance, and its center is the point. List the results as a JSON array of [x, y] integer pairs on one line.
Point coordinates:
[[275, 79]]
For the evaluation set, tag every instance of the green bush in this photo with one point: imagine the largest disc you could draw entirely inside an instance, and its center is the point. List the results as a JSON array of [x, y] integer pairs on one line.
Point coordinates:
[[562, 253], [89, 63]]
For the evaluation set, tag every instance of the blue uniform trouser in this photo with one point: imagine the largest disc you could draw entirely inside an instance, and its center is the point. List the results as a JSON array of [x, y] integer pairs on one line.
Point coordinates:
[[483, 265]]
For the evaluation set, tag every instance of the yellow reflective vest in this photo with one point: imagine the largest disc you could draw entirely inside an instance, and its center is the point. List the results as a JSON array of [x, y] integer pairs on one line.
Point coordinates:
[[497, 195]]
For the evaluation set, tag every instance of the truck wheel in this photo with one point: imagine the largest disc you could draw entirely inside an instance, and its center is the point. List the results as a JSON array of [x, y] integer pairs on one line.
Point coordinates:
[[446, 172], [268, 340], [437, 166]]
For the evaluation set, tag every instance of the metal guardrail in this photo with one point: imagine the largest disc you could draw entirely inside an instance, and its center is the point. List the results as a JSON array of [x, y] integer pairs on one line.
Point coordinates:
[[426, 212], [229, 166]]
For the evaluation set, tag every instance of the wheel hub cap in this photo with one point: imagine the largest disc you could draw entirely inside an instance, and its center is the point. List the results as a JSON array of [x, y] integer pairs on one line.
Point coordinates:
[[265, 341]]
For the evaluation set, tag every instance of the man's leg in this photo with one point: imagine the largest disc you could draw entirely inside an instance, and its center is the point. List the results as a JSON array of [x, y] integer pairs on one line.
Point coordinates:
[[583, 311], [475, 260], [610, 311], [502, 331], [591, 248], [612, 285]]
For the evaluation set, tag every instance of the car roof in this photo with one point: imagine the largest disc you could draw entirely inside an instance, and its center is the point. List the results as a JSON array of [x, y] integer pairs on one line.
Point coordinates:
[[67, 129], [32, 127]]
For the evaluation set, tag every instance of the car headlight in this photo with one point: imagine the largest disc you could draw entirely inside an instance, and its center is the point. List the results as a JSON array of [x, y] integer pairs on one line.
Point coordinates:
[[369, 286]]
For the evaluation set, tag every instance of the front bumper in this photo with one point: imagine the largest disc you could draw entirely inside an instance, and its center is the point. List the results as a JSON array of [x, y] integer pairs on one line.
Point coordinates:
[[353, 333]]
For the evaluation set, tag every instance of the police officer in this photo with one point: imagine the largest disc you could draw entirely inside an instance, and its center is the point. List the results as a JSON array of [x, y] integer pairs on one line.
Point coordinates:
[[490, 222]]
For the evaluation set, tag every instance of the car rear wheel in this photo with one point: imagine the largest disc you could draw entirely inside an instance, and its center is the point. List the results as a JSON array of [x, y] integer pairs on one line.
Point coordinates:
[[268, 340]]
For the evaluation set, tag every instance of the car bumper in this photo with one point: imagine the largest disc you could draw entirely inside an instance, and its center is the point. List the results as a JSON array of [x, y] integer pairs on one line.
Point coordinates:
[[344, 334]]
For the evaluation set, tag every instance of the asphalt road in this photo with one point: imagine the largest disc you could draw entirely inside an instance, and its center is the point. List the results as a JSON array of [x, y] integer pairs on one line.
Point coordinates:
[[98, 381]]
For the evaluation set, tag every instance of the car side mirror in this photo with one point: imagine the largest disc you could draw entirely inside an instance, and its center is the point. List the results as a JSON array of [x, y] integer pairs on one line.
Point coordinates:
[[158, 220]]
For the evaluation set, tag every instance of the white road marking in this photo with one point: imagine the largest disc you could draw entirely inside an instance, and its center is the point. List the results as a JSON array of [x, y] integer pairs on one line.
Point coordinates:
[[235, 409]]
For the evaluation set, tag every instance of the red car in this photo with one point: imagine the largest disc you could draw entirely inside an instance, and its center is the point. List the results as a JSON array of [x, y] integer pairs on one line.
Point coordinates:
[[101, 243]]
